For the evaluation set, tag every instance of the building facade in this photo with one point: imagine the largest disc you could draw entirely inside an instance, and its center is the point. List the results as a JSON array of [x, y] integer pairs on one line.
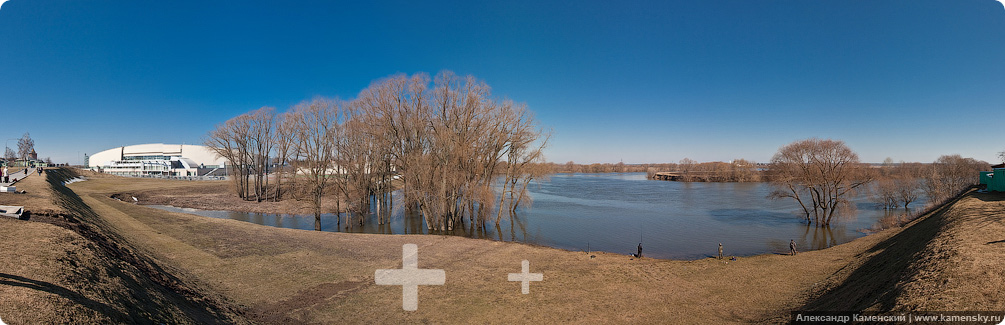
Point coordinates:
[[158, 160]]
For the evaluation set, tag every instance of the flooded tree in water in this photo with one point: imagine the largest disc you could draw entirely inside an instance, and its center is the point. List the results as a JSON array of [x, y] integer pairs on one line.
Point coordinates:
[[316, 128], [285, 149], [444, 141], [686, 167], [819, 175]]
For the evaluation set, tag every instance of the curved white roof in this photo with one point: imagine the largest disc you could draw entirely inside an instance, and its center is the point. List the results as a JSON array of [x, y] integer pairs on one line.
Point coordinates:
[[200, 155]]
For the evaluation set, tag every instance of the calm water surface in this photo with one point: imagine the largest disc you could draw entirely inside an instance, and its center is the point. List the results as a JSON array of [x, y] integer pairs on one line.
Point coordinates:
[[613, 212]]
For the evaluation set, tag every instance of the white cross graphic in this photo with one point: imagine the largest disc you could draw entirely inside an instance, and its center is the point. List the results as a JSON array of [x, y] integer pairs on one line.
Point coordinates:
[[410, 277], [526, 277]]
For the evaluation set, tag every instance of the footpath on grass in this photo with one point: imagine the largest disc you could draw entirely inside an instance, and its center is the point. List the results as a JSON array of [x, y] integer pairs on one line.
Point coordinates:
[[232, 271]]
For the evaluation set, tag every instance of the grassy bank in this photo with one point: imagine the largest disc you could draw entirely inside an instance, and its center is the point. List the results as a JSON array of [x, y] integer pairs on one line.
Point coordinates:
[[274, 275], [64, 266]]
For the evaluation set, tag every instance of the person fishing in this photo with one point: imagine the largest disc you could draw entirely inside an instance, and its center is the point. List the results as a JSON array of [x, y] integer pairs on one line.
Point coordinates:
[[720, 251], [639, 255], [792, 247]]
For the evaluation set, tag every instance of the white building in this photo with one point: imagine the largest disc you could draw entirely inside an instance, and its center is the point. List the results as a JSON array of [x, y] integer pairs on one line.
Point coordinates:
[[158, 159]]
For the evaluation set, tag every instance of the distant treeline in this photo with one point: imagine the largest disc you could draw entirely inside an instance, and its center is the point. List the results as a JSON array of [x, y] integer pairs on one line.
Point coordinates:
[[739, 170]]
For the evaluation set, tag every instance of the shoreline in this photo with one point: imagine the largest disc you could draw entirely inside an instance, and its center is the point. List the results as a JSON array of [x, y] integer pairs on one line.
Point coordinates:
[[490, 238], [275, 275]]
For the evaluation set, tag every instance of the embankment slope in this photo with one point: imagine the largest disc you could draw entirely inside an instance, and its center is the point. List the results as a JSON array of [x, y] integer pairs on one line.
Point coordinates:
[[950, 260], [60, 267]]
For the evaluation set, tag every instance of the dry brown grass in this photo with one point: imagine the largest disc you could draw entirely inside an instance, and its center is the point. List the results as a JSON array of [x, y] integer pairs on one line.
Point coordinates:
[[963, 266], [61, 270], [948, 260], [207, 195], [304, 276]]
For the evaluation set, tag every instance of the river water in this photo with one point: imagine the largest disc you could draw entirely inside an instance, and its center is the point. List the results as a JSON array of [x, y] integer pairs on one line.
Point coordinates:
[[614, 212]]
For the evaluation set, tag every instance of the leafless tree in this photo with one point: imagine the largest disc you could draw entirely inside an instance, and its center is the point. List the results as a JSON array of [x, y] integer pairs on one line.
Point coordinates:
[[25, 146], [230, 141], [284, 143], [686, 168], [524, 148], [951, 174], [819, 175], [445, 140], [317, 126], [260, 143], [9, 154]]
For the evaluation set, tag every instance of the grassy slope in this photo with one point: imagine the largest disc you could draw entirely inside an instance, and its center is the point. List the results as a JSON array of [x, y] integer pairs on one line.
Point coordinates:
[[949, 260], [63, 270]]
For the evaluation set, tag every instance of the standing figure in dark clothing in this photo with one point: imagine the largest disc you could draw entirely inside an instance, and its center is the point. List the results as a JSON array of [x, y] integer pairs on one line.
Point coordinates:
[[720, 251], [639, 255], [792, 247]]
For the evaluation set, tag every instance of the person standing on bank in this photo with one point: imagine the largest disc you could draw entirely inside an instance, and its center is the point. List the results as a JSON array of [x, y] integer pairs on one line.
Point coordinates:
[[639, 255], [792, 247], [720, 251]]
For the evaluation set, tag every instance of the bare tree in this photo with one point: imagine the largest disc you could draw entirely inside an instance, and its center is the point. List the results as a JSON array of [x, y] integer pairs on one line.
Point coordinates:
[[744, 171], [819, 175], [9, 154], [686, 168], [317, 128], [25, 146], [887, 191], [229, 141], [951, 174], [446, 142], [284, 137], [260, 143], [523, 157]]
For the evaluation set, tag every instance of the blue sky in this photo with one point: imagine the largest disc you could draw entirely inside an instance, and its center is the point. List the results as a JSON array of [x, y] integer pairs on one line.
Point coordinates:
[[630, 81]]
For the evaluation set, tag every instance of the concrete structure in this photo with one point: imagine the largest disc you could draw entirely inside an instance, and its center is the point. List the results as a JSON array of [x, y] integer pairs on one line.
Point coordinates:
[[158, 159], [12, 211]]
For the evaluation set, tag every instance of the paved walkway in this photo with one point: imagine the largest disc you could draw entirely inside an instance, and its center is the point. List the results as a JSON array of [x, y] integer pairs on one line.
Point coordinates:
[[15, 175]]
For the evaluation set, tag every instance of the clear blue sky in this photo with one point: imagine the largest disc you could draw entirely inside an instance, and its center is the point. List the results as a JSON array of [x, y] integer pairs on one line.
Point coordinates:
[[615, 80]]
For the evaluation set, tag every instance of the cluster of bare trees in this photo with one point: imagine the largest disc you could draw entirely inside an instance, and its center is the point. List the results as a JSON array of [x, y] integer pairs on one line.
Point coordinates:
[[444, 141], [949, 175], [940, 181], [898, 185], [689, 170], [246, 141], [739, 170], [819, 175], [572, 167]]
